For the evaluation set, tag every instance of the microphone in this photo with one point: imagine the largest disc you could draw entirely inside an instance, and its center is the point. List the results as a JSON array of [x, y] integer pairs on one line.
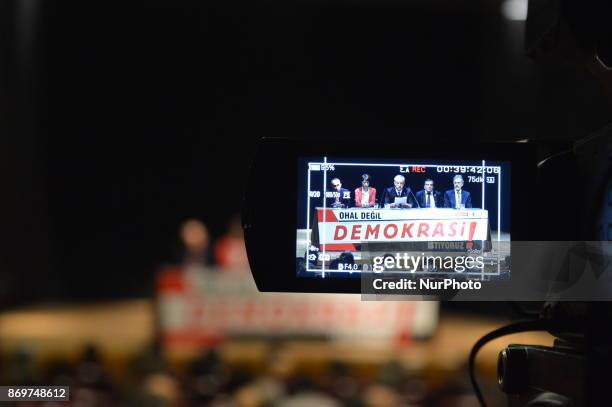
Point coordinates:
[[415, 200]]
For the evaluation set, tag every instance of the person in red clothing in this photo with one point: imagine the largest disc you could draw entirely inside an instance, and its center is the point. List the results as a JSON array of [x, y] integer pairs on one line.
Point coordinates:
[[365, 196], [230, 252]]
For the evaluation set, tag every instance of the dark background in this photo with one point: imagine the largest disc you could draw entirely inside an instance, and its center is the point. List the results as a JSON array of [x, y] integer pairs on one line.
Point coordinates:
[[119, 120]]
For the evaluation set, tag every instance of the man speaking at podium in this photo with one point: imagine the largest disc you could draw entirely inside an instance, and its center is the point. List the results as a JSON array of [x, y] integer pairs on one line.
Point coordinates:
[[428, 197], [399, 195], [457, 198]]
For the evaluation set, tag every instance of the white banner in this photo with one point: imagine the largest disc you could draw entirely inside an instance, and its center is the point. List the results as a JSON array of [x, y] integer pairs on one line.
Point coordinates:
[[403, 231], [361, 214], [349, 226], [199, 305]]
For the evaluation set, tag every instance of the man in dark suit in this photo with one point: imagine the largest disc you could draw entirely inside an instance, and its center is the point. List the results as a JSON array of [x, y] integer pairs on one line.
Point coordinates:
[[399, 190], [428, 197], [339, 197], [456, 197]]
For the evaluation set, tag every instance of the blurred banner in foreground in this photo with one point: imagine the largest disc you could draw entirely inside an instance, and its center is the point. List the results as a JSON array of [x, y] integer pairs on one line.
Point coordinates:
[[200, 307]]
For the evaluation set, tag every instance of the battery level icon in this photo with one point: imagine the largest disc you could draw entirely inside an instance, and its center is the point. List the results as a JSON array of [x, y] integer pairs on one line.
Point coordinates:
[[315, 167]]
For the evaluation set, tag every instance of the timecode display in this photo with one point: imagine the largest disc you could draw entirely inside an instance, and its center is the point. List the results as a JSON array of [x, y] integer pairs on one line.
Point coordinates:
[[463, 169]]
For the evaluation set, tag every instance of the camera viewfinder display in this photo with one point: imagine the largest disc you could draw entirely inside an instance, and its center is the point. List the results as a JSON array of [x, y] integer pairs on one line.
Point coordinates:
[[422, 217]]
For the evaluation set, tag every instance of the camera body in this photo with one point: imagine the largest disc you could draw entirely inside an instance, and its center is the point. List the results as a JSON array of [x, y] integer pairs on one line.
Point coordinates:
[[289, 251]]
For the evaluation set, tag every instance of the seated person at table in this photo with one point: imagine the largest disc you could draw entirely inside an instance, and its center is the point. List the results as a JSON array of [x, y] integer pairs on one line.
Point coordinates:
[[339, 197], [428, 197], [457, 197], [365, 197], [399, 191]]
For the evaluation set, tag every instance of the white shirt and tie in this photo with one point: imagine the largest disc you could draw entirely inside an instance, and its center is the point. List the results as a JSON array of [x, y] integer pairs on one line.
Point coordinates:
[[365, 198], [457, 198]]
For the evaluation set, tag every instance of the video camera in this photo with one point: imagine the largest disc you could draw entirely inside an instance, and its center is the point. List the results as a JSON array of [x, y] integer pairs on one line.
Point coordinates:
[[536, 227], [488, 221]]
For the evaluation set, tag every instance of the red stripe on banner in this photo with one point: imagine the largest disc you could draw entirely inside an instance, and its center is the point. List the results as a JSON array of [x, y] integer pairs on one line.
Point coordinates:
[[329, 215], [472, 231], [338, 247], [192, 338]]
